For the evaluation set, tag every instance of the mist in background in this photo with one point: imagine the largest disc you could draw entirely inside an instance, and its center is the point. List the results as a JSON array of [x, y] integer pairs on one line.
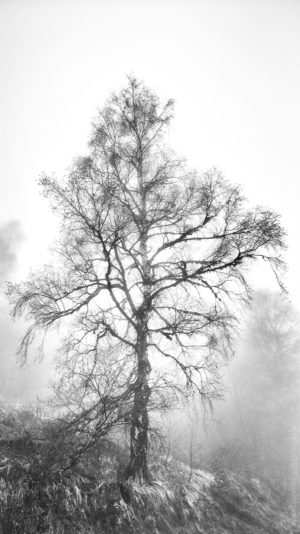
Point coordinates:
[[11, 238], [250, 430], [234, 70], [19, 384]]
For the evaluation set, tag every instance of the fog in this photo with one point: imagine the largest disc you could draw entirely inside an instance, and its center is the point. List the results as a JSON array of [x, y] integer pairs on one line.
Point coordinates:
[[251, 429], [161, 304], [11, 238], [19, 384]]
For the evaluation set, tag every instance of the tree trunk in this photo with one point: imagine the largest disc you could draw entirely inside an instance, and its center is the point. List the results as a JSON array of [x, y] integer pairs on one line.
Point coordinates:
[[138, 465]]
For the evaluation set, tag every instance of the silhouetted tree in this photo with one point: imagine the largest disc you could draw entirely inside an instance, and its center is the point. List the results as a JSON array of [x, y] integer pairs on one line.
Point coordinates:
[[150, 257]]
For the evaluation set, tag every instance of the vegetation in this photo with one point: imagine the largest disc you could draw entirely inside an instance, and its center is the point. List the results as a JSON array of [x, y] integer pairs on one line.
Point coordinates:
[[150, 266], [37, 494], [151, 257]]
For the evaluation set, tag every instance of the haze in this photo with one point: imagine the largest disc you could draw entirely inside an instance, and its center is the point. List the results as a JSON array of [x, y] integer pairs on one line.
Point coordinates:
[[232, 67]]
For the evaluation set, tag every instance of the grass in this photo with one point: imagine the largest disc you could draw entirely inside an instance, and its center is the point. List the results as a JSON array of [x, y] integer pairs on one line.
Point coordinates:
[[37, 495]]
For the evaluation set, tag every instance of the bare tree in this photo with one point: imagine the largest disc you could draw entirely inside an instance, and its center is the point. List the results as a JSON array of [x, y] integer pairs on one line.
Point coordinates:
[[151, 256]]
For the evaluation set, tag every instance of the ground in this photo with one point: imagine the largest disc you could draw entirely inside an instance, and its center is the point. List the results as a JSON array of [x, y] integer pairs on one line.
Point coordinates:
[[40, 493]]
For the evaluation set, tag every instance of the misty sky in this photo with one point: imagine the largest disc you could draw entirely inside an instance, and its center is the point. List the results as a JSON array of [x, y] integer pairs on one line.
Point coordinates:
[[233, 68], [17, 383], [11, 238]]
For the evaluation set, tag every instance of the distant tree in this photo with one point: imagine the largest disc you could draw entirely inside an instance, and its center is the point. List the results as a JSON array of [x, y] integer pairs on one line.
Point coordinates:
[[274, 340], [260, 413], [151, 255], [273, 336]]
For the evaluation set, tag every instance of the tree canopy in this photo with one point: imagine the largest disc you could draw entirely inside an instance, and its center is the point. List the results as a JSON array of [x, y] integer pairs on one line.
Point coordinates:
[[150, 258]]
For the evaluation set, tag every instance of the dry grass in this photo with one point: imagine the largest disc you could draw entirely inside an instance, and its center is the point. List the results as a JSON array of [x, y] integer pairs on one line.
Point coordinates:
[[38, 496]]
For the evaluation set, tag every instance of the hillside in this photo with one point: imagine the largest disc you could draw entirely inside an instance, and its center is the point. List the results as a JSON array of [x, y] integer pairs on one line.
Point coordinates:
[[197, 503], [88, 499]]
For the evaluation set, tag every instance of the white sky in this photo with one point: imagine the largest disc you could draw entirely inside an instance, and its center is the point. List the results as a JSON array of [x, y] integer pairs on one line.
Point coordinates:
[[233, 68]]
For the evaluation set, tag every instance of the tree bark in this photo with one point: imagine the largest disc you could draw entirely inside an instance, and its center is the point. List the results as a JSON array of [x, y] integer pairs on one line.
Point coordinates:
[[138, 465]]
